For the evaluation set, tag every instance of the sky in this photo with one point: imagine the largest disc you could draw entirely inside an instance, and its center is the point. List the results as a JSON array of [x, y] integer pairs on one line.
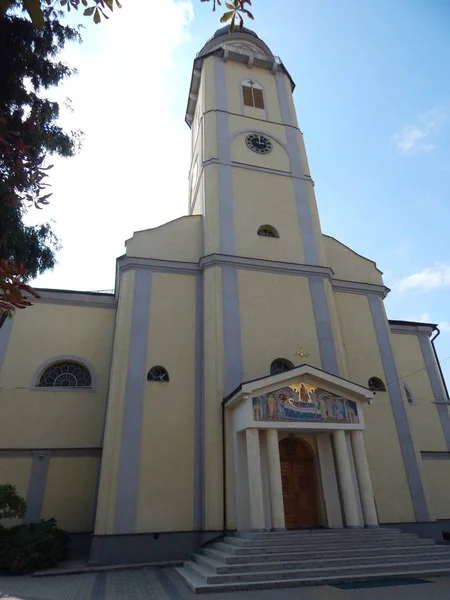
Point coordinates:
[[373, 101]]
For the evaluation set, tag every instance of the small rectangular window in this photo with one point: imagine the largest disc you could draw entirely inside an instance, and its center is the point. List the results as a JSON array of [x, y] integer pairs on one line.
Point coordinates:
[[258, 97], [248, 95]]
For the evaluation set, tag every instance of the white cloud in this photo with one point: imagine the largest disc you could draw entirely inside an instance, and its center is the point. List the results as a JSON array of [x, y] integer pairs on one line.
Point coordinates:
[[444, 326], [427, 280], [416, 136], [131, 174]]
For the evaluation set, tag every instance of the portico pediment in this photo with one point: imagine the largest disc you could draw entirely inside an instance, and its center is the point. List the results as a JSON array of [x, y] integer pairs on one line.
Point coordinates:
[[304, 395]]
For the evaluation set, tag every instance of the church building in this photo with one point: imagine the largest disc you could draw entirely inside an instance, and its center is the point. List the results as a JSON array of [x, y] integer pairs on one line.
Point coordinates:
[[243, 376]]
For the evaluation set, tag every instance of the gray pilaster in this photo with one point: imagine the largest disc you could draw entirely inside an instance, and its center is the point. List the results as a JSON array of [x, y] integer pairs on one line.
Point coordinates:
[[436, 385], [36, 485], [5, 332], [232, 345], [305, 220], [130, 445], [226, 209], [324, 329], [398, 409], [286, 115], [199, 417]]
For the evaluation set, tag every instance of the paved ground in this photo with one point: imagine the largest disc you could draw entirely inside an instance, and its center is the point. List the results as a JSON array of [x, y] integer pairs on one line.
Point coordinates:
[[164, 584]]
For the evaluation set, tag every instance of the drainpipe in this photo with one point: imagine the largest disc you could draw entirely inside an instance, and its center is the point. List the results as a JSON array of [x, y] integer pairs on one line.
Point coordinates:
[[224, 471], [438, 363]]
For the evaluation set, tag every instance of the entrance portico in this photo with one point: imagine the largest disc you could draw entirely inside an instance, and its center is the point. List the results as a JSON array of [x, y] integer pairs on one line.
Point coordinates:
[[299, 458]]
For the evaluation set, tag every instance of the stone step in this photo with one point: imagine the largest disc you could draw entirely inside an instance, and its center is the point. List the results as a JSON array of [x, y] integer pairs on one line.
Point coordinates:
[[199, 585], [332, 545], [219, 567], [319, 554], [289, 574], [317, 533], [308, 541]]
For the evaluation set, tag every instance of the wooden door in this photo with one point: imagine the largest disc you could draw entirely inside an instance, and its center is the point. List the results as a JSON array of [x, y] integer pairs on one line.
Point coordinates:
[[298, 476]]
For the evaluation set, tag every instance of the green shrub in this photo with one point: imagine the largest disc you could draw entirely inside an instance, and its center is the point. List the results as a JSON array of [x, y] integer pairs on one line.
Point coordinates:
[[12, 506], [27, 548]]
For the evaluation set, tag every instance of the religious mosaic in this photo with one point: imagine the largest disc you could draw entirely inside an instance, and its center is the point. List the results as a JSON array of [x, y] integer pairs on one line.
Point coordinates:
[[304, 402]]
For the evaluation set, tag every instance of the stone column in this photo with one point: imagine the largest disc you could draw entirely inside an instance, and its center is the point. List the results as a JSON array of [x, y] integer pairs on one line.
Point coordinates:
[[276, 490], [345, 479], [255, 487], [364, 482]]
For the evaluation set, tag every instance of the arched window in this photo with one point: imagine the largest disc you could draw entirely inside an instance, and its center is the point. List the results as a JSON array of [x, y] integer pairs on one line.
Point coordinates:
[[66, 374], [409, 396], [252, 94], [268, 231], [280, 365], [376, 385], [158, 373]]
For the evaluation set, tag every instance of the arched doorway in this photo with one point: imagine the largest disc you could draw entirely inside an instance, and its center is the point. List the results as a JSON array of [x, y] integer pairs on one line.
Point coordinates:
[[298, 476]]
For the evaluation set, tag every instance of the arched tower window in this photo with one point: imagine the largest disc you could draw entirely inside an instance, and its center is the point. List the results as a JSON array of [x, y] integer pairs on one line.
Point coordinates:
[[280, 365], [252, 93], [268, 231], [66, 374], [376, 385], [158, 373]]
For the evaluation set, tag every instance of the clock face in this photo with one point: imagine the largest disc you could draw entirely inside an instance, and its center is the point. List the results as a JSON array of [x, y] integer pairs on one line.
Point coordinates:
[[258, 143]]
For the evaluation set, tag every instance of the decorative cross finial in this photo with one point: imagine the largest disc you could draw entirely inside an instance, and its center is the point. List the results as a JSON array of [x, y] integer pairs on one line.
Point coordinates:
[[301, 353]]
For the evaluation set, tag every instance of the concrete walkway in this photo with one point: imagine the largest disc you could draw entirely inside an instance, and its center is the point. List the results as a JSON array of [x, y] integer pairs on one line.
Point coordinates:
[[164, 584]]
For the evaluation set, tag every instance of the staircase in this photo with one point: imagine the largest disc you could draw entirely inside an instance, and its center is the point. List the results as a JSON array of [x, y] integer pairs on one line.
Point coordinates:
[[247, 560]]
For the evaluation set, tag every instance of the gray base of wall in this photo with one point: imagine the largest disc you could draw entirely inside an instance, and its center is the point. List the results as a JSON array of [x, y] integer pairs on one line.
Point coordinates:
[[429, 529], [79, 546], [147, 547]]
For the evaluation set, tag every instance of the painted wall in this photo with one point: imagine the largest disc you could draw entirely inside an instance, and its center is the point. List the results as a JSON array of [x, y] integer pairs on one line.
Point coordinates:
[[424, 422], [176, 240], [70, 492], [104, 522], [383, 449], [276, 319], [423, 416], [265, 199], [348, 264], [54, 418], [167, 446], [436, 475]]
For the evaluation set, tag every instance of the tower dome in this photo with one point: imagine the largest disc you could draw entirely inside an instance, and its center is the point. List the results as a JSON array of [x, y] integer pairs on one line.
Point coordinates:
[[226, 31], [244, 38]]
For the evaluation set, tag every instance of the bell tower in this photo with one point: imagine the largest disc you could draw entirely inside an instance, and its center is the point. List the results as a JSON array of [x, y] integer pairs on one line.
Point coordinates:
[[249, 171]]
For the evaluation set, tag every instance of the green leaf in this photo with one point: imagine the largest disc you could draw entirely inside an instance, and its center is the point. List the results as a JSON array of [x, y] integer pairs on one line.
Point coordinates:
[[97, 17], [109, 4], [228, 5], [33, 8], [88, 12], [226, 16], [118, 4]]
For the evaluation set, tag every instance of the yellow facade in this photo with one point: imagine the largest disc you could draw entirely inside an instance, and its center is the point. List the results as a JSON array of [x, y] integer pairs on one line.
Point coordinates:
[[149, 456]]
